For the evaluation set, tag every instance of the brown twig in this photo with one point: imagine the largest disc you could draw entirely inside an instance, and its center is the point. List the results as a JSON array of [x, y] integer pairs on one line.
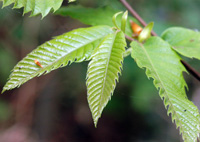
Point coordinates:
[[191, 70], [136, 15], [129, 38]]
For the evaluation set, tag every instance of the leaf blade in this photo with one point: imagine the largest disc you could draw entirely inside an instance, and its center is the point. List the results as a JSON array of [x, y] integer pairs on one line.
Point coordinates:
[[103, 72], [94, 17], [184, 41], [42, 7], [163, 65], [75, 46]]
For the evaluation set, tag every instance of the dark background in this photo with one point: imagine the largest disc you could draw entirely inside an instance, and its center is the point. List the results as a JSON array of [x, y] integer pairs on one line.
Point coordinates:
[[54, 108]]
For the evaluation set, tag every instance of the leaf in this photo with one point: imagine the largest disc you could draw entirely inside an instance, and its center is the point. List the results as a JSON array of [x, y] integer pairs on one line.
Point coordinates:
[[146, 32], [74, 46], [97, 16], [36, 6], [184, 41], [163, 65], [103, 72]]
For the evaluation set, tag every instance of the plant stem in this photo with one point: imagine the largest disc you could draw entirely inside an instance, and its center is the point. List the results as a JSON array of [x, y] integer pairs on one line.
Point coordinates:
[[191, 70], [129, 38], [136, 15], [127, 52]]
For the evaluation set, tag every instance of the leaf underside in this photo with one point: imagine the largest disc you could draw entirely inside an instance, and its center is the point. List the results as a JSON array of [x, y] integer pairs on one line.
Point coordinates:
[[184, 41], [103, 72], [74, 46], [163, 65], [92, 16], [35, 6]]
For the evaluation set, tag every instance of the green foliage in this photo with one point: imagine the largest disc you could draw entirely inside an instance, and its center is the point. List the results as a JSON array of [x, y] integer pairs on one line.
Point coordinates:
[[184, 41], [163, 65], [93, 17], [36, 6], [103, 72], [75, 46], [106, 50]]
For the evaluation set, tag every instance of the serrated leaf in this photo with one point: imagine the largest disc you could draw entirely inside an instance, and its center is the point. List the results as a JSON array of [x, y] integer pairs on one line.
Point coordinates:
[[36, 6], [74, 46], [163, 65], [184, 41], [103, 72], [97, 16]]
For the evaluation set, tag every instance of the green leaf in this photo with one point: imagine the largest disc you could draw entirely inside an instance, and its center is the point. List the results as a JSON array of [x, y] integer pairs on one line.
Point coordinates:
[[103, 71], [123, 22], [146, 32], [184, 41], [74, 46], [97, 16], [36, 6], [114, 19], [163, 65]]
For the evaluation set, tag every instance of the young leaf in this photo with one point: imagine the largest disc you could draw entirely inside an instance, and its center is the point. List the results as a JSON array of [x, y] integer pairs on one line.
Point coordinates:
[[76, 45], [184, 41], [36, 6], [91, 16], [123, 22], [163, 65], [103, 71], [146, 32], [114, 19]]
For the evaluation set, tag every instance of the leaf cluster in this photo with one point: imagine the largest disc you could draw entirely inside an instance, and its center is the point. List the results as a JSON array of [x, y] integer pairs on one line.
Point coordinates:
[[105, 46]]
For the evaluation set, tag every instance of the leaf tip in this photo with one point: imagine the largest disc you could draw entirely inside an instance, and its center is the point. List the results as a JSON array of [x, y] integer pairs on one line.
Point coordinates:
[[95, 124], [146, 32], [123, 22], [3, 91]]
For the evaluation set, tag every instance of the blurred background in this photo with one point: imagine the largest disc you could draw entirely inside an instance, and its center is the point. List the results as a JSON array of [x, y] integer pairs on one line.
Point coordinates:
[[54, 108]]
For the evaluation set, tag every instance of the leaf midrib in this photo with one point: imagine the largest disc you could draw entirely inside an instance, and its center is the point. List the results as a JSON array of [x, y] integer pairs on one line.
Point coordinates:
[[161, 82], [51, 64], [106, 74]]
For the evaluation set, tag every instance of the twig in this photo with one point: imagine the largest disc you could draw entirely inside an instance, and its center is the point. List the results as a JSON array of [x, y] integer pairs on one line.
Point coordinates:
[[191, 70], [129, 38], [136, 15]]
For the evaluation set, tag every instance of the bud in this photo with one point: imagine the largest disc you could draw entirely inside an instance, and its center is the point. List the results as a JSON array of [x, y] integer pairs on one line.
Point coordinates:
[[135, 28], [146, 32]]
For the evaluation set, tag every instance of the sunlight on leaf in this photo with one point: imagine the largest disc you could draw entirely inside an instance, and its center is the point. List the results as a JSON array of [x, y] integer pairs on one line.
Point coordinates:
[[74, 46], [103, 72]]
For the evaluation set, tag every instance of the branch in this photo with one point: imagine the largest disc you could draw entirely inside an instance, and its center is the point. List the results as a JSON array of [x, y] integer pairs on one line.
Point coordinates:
[[129, 38], [191, 70], [136, 15]]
